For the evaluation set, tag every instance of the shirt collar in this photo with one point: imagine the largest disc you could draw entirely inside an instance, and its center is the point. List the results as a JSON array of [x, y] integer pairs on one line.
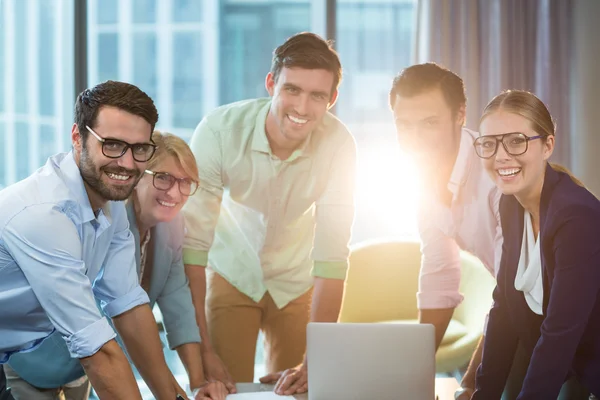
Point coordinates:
[[129, 207], [72, 178], [462, 165], [260, 142]]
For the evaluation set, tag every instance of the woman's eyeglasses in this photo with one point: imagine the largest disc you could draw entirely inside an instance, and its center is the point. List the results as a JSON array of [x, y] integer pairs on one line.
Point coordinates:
[[165, 181], [515, 144]]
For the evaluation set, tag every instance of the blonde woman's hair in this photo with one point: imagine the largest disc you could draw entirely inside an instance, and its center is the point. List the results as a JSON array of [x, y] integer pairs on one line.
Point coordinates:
[[530, 107], [171, 145]]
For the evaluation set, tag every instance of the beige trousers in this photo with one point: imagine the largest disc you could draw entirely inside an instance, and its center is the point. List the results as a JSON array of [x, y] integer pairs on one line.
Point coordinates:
[[234, 321]]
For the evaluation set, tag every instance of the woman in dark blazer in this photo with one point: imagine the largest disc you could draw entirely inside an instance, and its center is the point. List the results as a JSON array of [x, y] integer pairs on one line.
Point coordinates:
[[548, 284], [158, 230]]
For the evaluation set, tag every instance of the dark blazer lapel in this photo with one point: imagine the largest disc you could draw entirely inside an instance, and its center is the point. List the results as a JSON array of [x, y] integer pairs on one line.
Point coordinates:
[[551, 179], [513, 235], [513, 225]]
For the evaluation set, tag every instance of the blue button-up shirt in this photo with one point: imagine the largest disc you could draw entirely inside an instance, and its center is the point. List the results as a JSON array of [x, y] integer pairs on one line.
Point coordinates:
[[56, 257]]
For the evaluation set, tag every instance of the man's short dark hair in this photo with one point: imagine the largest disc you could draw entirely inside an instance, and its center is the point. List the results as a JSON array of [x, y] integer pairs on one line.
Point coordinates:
[[121, 95], [420, 78], [310, 51]]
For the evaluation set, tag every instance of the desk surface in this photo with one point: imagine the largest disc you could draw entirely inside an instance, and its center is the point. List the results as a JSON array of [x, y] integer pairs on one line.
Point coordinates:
[[444, 388]]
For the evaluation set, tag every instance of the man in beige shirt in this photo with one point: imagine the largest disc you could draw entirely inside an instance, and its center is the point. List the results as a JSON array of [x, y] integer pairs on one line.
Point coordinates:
[[272, 218]]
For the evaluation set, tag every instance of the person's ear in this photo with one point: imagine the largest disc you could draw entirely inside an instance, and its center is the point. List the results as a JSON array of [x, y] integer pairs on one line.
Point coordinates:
[[270, 83], [548, 146], [333, 99], [76, 139], [461, 115]]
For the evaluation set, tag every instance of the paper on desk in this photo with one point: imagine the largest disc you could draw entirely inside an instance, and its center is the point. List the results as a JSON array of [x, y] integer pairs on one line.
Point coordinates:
[[258, 396]]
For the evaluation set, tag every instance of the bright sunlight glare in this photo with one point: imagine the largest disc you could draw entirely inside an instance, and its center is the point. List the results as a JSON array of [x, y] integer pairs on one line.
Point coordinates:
[[386, 193]]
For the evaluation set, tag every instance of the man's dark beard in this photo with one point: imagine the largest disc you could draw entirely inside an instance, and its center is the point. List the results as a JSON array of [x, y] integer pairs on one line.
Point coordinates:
[[93, 179]]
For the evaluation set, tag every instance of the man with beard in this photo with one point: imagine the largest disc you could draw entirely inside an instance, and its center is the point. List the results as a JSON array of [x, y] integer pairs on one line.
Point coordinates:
[[275, 208], [65, 243], [458, 208]]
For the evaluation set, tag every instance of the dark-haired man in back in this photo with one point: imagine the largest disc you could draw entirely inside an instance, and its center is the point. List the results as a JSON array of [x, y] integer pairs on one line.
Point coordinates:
[[458, 209], [275, 209]]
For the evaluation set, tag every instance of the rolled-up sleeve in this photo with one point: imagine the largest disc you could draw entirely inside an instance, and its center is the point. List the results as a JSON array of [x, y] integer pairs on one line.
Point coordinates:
[[54, 268], [334, 216], [87, 341], [117, 287], [202, 209], [439, 278]]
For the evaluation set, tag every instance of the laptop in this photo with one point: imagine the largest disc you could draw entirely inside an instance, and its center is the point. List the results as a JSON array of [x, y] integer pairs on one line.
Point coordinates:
[[348, 361]]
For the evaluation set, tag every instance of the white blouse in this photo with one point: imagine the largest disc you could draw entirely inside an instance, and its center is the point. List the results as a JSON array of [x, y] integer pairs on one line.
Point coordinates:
[[529, 271]]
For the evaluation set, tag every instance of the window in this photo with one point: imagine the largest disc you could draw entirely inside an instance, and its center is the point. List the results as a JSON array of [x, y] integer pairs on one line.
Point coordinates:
[[36, 89], [167, 48], [375, 42], [374, 39], [249, 32], [3, 153]]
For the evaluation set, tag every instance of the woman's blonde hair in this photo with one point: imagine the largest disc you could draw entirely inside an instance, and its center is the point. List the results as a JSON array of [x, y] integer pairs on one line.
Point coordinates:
[[530, 107], [171, 145]]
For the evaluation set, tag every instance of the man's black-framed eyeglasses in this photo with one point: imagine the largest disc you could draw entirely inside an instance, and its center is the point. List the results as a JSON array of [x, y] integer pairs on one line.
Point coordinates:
[[515, 144], [165, 181], [114, 148]]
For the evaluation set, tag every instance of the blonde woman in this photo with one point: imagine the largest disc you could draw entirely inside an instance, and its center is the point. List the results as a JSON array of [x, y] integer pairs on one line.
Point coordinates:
[[548, 290], [157, 227]]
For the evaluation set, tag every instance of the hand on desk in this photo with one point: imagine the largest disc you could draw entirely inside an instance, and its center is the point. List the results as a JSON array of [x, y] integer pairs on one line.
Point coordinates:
[[215, 370], [214, 390], [291, 381]]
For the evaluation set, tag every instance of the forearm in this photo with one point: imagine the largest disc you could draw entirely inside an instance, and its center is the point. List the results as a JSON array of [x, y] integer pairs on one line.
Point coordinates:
[[189, 354], [197, 277], [468, 380], [110, 374], [139, 332], [327, 300], [439, 318]]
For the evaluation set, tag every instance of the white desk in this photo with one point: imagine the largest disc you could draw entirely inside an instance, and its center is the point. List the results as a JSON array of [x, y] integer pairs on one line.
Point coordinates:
[[444, 388]]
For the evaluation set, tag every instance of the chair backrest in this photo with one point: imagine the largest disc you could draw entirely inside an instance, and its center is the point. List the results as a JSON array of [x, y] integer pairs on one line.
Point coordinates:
[[382, 282], [477, 286]]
